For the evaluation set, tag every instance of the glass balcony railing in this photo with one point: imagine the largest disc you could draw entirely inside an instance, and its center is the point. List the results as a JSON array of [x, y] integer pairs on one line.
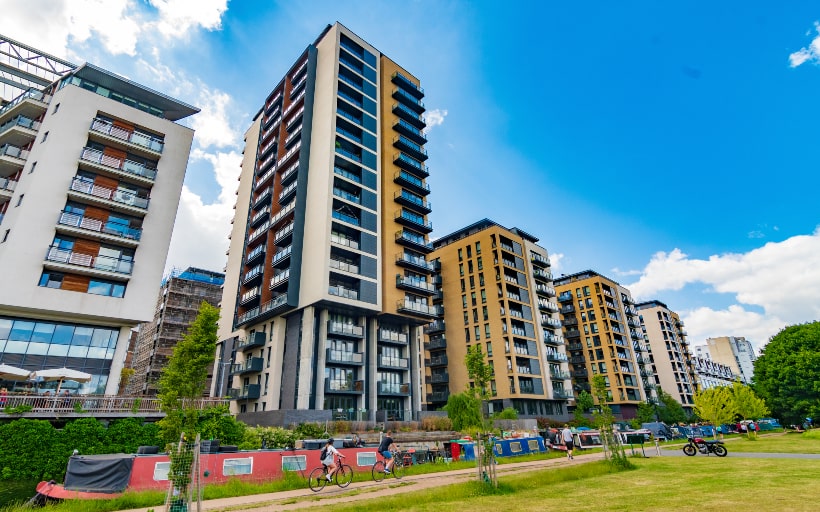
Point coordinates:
[[110, 228], [345, 329], [122, 196], [343, 292], [394, 362], [121, 164], [105, 263], [31, 94], [346, 218], [346, 174], [344, 266], [344, 356], [144, 140], [13, 151], [353, 198], [7, 184], [340, 239], [21, 121]]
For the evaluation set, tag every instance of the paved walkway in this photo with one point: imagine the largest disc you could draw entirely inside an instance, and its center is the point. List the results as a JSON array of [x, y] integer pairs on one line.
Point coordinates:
[[358, 491]]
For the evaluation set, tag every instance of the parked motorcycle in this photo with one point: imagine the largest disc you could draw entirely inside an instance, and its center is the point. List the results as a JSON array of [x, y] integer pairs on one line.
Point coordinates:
[[698, 444]]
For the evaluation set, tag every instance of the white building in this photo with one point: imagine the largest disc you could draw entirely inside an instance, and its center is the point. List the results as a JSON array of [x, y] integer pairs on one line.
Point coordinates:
[[91, 169], [735, 352]]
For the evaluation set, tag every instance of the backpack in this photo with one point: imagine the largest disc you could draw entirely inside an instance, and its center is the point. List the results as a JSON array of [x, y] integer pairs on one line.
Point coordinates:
[[323, 454]]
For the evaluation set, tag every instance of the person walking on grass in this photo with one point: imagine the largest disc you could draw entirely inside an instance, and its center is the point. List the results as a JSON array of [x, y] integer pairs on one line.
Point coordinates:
[[566, 436]]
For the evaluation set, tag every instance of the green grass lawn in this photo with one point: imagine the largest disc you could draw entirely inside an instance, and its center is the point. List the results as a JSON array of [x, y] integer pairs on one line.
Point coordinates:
[[658, 484], [777, 443]]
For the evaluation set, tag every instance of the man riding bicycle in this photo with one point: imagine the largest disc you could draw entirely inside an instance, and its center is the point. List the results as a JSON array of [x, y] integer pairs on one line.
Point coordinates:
[[330, 458], [386, 448]]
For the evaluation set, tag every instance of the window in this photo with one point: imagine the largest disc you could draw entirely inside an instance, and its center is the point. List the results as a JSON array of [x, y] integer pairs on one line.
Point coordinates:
[[460, 255], [56, 108], [489, 349], [472, 282], [6, 235], [45, 136], [243, 466], [464, 301], [483, 297], [478, 247], [461, 269], [472, 298], [470, 267], [486, 330], [481, 279], [467, 334], [294, 462], [463, 287], [107, 288], [480, 264], [469, 252], [19, 200], [475, 315], [51, 280], [477, 333], [466, 318], [485, 314], [31, 169]]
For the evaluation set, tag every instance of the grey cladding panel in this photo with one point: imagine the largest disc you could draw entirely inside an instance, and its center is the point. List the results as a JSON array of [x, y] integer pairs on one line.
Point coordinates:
[[519, 263], [369, 122], [367, 292], [535, 367], [368, 159], [527, 312], [368, 243], [517, 248], [369, 199], [528, 328], [369, 141], [525, 296], [369, 179], [538, 386], [368, 221], [368, 266]]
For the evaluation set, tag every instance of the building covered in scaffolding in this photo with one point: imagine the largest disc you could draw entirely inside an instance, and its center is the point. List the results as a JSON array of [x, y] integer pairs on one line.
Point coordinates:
[[181, 294]]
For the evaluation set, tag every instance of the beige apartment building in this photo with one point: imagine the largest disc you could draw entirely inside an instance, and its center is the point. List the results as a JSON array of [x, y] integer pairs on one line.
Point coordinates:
[[604, 337], [91, 169], [736, 352], [328, 283], [673, 363], [495, 290]]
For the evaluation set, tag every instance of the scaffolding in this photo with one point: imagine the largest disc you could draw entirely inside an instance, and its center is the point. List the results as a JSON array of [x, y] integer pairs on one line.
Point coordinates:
[[23, 67]]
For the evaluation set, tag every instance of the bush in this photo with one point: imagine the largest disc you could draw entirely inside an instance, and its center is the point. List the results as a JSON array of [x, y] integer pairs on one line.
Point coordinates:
[[543, 422], [309, 431], [436, 423], [341, 427], [508, 413]]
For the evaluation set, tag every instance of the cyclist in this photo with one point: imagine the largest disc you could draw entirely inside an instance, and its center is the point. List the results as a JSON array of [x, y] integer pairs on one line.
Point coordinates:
[[330, 459], [386, 448]]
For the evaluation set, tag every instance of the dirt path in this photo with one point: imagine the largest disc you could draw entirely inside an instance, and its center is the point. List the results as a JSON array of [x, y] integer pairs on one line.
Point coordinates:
[[358, 491]]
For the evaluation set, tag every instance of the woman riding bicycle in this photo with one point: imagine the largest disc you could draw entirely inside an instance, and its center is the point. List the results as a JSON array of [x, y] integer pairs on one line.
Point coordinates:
[[330, 458], [386, 448]]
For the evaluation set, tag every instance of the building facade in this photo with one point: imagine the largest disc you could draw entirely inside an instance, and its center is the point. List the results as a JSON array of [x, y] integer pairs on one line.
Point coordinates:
[[91, 169], [327, 281], [736, 352], [710, 374], [180, 296], [604, 337], [669, 351], [495, 289]]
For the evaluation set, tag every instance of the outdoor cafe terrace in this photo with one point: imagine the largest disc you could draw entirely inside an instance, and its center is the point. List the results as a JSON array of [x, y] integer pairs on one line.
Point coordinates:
[[83, 406]]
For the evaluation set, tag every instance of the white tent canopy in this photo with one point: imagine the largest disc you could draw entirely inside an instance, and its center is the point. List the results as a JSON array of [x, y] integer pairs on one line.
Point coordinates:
[[8, 372], [60, 374]]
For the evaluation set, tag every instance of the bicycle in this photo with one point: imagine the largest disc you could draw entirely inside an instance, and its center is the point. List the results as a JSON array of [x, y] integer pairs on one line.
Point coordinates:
[[342, 477], [378, 471]]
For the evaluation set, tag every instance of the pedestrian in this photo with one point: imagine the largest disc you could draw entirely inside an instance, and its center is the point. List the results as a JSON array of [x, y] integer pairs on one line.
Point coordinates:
[[357, 441], [4, 393], [566, 435], [386, 448], [329, 460]]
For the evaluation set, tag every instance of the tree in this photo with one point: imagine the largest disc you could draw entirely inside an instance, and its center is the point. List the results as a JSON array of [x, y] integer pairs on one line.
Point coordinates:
[[583, 403], [613, 449], [787, 373], [715, 405], [479, 371], [186, 373], [670, 411], [464, 410], [747, 404], [644, 414]]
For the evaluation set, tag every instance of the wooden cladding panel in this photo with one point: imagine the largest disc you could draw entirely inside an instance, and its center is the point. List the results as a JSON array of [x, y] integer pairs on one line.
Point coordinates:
[[105, 181], [93, 212], [115, 153], [75, 283], [91, 247]]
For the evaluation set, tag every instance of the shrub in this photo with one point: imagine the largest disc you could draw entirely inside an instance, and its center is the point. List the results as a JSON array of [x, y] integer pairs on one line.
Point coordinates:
[[508, 413], [309, 431], [341, 427], [543, 422]]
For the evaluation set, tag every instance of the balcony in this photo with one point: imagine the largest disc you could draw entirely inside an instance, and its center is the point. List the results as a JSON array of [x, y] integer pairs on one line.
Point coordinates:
[[118, 232], [32, 101], [122, 165], [138, 140], [400, 363], [572, 333], [409, 115], [282, 255], [562, 394], [439, 396], [412, 183], [542, 274], [344, 357], [414, 262], [437, 361], [417, 308], [580, 373], [546, 305], [119, 196], [258, 251], [252, 294], [393, 388], [246, 392], [548, 291], [255, 340], [560, 375], [409, 100], [259, 216], [547, 321], [565, 297], [252, 274], [262, 196], [553, 339], [19, 131], [414, 221], [289, 173], [405, 198], [404, 82], [122, 266], [344, 386], [344, 266], [277, 303], [434, 327], [343, 292], [288, 192], [410, 131], [339, 328], [412, 241], [556, 357], [437, 343], [539, 260], [282, 214], [279, 279], [347, 196], [390, 336], [12, 157], [252, 365], [345, 217], [414, 285]]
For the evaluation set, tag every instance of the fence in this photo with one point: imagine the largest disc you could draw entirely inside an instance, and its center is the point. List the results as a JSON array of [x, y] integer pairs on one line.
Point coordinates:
[[95, 405]]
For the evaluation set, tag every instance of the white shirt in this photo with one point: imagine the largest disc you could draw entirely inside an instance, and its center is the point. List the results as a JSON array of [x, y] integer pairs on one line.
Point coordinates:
[[331, 453], [566, 434]]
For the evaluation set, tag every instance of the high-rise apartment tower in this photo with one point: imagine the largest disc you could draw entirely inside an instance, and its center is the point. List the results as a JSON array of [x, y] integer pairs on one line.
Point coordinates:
[[327, 282], [736, 352], [497, 294], [91, 169]]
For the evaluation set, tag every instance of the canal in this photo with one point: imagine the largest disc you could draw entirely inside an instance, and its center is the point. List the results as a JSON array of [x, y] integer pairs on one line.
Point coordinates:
[[13, 491]]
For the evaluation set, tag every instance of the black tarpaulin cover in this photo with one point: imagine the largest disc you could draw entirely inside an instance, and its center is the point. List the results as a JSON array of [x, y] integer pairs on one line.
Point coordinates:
[[99, 473]]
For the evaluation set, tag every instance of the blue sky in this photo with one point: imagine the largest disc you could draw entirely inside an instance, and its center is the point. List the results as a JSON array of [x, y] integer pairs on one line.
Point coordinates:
[[665, 145]]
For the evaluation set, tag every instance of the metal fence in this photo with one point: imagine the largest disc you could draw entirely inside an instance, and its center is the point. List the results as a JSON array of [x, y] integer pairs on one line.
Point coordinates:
[[94, 404]]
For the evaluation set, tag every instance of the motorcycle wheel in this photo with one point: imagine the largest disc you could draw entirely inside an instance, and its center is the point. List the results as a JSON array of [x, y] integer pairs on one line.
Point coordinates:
[[690, 450], [720, 451]]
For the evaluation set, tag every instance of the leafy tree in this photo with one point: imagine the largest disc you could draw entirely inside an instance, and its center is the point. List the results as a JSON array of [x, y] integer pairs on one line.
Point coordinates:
[[508, 413], [583, 403], [186, 373], [747, 404], [644, 414], [787, 373], [464, 410], [479, 371], [613, 449], [669, 410], [715, 405], [125, 377]]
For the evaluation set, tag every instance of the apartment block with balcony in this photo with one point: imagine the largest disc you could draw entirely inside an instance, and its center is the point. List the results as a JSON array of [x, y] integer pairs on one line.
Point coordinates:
[[494, 288], [328, 256], [604, 337], [91, 170], [736, 352], [710, 374], [670, 354], [177, 305]]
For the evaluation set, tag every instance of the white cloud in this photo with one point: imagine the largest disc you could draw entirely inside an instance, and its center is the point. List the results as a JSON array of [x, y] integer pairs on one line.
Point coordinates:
[[625, 273], [810, 53], [781, 278], [556, 260], [434, 117], [201, 230], [177, 17], [215, 125]]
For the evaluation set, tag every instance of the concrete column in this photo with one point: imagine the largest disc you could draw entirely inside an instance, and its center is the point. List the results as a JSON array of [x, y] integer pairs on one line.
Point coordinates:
[[371, 357], [321, 359], [113, 384], [277, 344], [306, 358], [416, 380]]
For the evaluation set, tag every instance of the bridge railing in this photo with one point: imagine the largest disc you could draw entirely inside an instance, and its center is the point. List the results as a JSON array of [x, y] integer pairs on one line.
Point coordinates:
[[100, 404]]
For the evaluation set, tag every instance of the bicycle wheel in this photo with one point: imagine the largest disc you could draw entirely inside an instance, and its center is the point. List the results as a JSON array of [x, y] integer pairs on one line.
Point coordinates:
[[344, 475], [378, 471], [398, 469], [317, 479]]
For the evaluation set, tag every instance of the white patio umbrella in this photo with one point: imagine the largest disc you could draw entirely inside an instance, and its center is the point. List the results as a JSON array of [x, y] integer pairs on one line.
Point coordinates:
[[8, 372], [61, 374]]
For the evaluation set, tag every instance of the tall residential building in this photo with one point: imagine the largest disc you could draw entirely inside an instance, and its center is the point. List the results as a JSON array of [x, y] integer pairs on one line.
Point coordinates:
[[735, 352], [673, 365], [497, 294], [180, 296], [91, 169], [710, 374], [327, 281], [604, 337]]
